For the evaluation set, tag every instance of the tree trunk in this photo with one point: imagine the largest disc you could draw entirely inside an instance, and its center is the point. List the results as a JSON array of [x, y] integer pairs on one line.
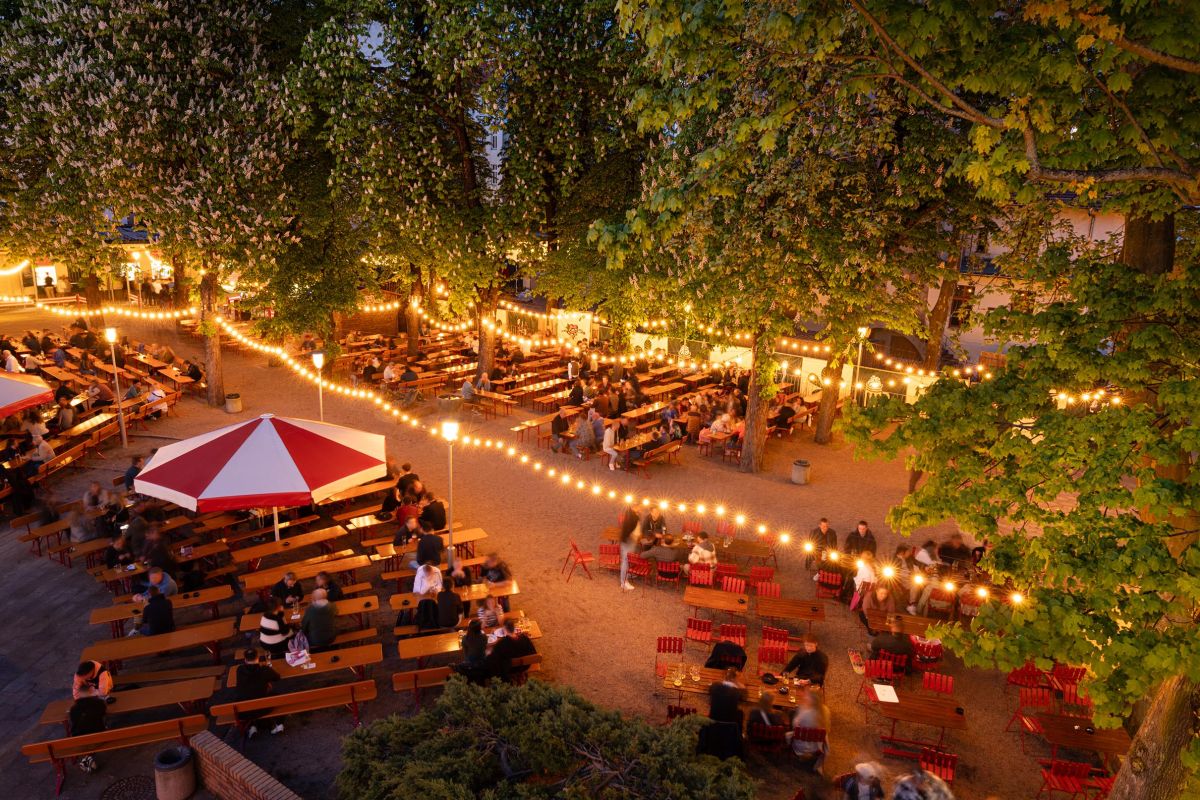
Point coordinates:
[[758, 402], [488, 300], [95, 304], [831, 392], [412, 317], [179, 273], [1153, 770], [939, 315], [214, 372]]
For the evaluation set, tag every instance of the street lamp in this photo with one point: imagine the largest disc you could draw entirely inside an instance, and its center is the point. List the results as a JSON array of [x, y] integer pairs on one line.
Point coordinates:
[[450, 434], [318, 362], [862, 337], [110, 336]]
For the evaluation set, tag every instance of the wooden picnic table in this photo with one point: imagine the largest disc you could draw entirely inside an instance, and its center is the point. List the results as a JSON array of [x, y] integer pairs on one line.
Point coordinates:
[[266, 578], [356, 659], [122, 575], [148, 361], [189, 693], [206, 634], [658, 372], [717, 438], [423, 647], [537, 422], [791, 610], [462, 538], [358, 606], [322, 538], [1072, 732], [474, 593], [910, 624], [176, 377], [646, 410], [117, 614], [697, 679], [110, 371], [359, 491], [742, 548], [696, 379], [84, 428], [666, 388], [496, 399], [935, 711], [716, 600], [541, 386], [633, 443]]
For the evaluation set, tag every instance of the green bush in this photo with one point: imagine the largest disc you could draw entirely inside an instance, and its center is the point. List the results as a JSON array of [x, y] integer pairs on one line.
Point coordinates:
[[533, 741]]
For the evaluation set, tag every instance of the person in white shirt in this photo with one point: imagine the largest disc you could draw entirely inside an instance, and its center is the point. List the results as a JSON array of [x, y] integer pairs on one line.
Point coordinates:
[[927, 555], [33, 425], [390, 373], [10, 363], [865, 577], [428, 579], [609, 446]]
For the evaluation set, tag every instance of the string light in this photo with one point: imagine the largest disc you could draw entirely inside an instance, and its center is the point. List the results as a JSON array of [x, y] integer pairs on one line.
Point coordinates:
[[14, 270], [120, 311]]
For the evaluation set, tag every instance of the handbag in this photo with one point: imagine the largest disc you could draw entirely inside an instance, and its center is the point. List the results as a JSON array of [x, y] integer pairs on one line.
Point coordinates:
[[856, 600], [298, 643]]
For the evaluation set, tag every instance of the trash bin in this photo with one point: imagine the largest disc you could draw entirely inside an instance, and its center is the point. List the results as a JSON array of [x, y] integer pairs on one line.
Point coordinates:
[[449, 404], [174, 774], [800, 472], [233, 403]]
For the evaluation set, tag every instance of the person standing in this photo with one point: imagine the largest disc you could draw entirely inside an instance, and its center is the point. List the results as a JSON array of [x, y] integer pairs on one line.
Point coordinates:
[[630, 533], [824, 539]]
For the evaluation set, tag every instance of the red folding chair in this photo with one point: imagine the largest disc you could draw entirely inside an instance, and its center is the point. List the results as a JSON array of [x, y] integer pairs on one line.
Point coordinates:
[[941, 602], [1067, 777], [700, 577], [938, 683], [762, 574], [734, 585], [692, 526], [899, 661], [1029, 702], [734, 633], [1027, 676], [610, 556], [771, 658], [1075, 703], [639, 567], [578, 558], [1063, 676], [927, 655], [767, 589], [1100, 786], [670, 646], [938, 762], [774, 637], [968, 608], [829, 584], [767, 737], [875, 670], [699, 630], [674, 712], [667, 572], [726, 529], [725, 571]]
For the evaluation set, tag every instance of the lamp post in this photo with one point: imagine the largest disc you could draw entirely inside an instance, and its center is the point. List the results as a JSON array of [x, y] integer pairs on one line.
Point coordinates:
[[110, 336], [450, 434], [318, 359], [862, 337]]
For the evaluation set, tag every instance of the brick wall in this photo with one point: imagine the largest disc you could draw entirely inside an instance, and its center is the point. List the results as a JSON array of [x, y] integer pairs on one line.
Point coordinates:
[[227, 774]]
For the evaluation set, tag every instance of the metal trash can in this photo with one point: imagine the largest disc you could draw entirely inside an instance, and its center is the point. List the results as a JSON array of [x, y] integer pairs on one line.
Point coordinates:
[[174, 774], [233, 403], [800, 472], [449, 404]]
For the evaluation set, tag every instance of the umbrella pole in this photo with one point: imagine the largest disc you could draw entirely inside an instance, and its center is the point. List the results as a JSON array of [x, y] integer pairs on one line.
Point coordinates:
[[275, 514]]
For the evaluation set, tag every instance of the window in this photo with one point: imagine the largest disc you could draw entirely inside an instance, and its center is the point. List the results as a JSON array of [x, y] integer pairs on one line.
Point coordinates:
[[960, 307]]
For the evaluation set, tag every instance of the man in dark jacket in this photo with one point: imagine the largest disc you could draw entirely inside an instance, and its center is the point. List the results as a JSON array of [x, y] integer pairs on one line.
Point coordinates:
[[288, 589], [860, 540], [87, 716], [433, 511], [449, 606], [254, 680], [430, 548], [158, 615], [810, 664]]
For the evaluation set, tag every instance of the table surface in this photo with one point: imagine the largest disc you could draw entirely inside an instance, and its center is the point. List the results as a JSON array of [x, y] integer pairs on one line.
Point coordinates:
[[937, 711], [645, 411], [198, 551], [182, 638], [465, 536], [742, 548], [473, 593], [123, 611], [129, 700], [288, 544], [790, 608], [909, 623], [1059, 730], [305, 569], [716, 600], [441, 643], [753, 685], [346, 658], [350, 605]]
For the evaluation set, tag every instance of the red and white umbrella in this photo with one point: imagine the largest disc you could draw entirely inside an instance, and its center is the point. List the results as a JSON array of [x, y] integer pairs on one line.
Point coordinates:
[[19, 392], [264, 463]]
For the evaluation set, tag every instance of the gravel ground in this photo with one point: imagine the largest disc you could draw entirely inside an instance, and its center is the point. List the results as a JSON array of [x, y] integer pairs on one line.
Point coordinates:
[[597, 639]]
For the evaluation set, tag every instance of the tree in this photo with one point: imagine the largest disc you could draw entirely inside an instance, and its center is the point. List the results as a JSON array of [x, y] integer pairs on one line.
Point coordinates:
[[533, 741]]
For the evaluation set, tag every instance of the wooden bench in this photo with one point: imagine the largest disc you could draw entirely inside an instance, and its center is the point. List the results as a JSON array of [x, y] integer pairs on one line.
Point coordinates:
[[168, 675], [268, 530], [90, 551], [59, 751], [279, 705], [664, 453], [417, 679], [57, 529]]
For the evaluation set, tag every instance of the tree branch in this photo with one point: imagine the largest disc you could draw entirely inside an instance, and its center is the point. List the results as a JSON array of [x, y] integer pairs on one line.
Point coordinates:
[[1096, 24], [1185, 182]]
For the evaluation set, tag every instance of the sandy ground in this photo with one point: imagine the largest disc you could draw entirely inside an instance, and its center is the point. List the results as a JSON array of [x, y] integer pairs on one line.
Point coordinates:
[[598, 639]]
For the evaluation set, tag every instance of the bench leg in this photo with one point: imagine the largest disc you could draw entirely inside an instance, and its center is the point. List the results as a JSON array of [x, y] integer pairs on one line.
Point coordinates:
[[60, 775], [354, 711]]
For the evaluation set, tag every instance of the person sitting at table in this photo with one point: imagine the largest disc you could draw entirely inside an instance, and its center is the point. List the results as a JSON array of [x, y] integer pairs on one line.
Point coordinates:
[[597, 422], [474, 650], [764, 712], [726, 653], [82, 527], [60, 357], [99, 395], [391, 501], [95, 497], [274, 632], [65, 417], [664, 552], [156, 403], [810, 713], [467, 390], [158, 579], [390, 372], [158, 615], [879, 600], [449, 606], [254, 681], [408, 504], [723, 738], [87, 715], [333, 589], [428, 579], [31, 423], [703, 552], [654, 525], [193, 371], [783, 417], [895, 641], [718, 426], [490, 613], [92, 679], [289, 590], [430, 548], [608, 446], [134, 391], [11, 364], [810, 664], [433, 512], [585, 436], [156, 552], [955, 552], [558, 428], [405, 533], [135, 467], [575, 396], [510, 644], [860, 540], [863, 784], [118, 554], [319, 622]]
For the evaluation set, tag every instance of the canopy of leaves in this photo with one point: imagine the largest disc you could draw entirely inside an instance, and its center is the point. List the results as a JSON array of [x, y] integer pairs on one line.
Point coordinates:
[[534, 741], [1090, 510]]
